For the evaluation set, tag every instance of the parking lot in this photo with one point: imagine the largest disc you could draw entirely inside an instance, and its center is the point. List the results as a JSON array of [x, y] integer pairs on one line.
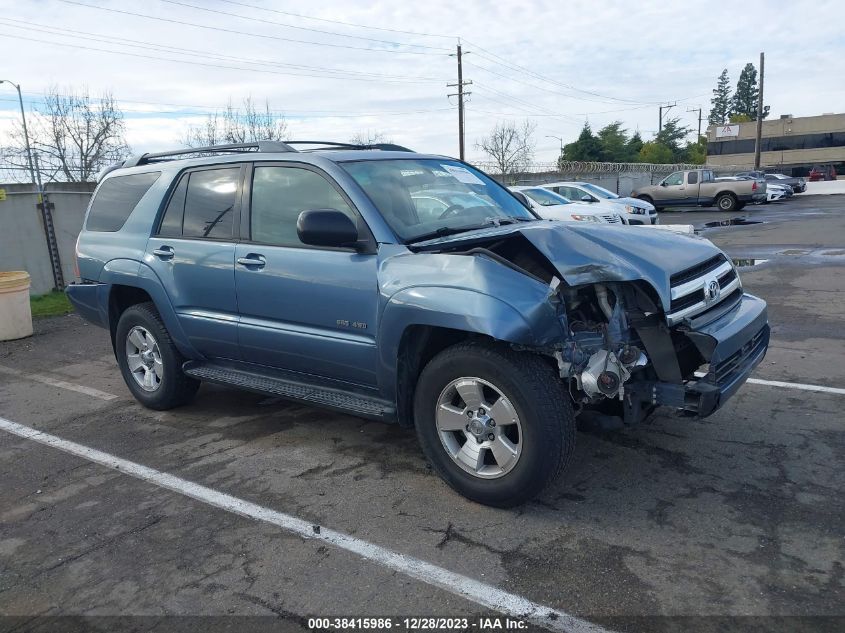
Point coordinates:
[[740, 514]]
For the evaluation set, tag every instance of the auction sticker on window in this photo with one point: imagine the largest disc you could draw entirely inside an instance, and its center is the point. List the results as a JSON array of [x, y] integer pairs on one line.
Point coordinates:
[[463, 175]]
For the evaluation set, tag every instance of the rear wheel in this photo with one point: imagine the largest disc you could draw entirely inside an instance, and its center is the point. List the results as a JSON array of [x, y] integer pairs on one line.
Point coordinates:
[[727, 202], [496, 425], [149, 361]]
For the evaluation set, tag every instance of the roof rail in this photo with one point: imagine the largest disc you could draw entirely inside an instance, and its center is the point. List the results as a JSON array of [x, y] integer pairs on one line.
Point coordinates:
[[385, 147], [259, 146]]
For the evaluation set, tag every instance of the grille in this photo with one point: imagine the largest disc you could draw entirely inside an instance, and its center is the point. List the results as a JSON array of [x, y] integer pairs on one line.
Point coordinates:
[[690, 297], [724, 372], [612, 219]]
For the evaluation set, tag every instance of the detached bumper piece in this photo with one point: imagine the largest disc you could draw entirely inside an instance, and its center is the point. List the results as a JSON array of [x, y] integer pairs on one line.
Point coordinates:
[[735, 344]]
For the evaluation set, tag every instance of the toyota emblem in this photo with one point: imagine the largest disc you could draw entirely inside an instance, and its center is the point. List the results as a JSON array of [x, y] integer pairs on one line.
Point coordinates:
[[712, 290]]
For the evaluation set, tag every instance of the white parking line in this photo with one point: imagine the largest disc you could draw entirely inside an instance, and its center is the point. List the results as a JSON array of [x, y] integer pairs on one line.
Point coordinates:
[[796, 385], [480, 593], [53, 382], [787, 385]]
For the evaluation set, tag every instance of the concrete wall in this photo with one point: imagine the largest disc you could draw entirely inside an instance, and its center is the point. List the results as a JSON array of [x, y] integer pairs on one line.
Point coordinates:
[[620, 182], [23, 245]]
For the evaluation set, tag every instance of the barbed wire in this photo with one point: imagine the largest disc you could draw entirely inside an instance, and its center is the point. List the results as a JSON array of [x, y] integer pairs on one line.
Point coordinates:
[[594, 167]]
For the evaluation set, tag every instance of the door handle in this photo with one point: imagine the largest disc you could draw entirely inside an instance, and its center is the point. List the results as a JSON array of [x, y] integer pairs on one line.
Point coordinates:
[[252, 261], [165, 252]]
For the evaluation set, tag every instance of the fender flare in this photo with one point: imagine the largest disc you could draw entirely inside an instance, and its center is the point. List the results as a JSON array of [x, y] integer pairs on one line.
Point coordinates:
[[128, 272], [452, 308]]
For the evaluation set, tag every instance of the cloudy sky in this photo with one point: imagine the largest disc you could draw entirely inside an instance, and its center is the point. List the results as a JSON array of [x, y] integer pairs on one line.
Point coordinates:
[[336, 68]]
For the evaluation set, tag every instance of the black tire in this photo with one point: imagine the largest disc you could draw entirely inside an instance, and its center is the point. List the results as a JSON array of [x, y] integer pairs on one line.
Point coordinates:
[[175, 388], [726, 202], [538, 396]]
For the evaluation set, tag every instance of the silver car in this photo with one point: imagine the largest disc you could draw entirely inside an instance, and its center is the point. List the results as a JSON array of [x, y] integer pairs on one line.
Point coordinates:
[[634, 210]]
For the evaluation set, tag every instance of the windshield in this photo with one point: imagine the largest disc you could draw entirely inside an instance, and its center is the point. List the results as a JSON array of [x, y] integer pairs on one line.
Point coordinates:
[[545, 198], [601, 192], [425, 198]]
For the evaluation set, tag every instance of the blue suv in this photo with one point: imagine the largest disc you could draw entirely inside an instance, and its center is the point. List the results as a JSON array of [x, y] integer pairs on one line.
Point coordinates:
[[408, 288]]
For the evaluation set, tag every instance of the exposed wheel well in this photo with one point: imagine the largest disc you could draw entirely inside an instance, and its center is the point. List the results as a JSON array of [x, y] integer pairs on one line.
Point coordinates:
[[120, 298], [419, 344], [646, 198]]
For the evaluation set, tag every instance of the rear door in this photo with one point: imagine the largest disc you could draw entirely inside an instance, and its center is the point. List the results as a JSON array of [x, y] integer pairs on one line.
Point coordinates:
[[303, 308], [193, 254]]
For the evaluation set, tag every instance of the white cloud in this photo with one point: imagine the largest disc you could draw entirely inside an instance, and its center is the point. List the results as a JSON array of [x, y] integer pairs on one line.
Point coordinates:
[[645, 52]]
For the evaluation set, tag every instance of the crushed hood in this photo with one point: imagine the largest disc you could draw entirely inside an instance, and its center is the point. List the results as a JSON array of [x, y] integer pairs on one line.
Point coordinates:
[[585, 254]]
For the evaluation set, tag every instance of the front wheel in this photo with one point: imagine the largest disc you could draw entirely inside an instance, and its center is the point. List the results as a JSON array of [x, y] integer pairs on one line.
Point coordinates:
[[496, 425], [149, 361]]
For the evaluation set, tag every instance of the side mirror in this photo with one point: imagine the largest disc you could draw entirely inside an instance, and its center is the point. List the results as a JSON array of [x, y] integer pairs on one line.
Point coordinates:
[[663, 183], [523, 199], [326, 227], [587, 199]]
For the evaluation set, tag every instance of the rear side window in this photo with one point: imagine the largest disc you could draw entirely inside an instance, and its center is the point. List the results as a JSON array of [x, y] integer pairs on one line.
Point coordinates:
[[202, 205], [116, 198], [692, 177]]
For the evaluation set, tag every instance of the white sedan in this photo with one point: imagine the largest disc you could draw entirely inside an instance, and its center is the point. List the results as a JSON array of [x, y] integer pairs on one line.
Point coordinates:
[[551, 206], [634, 210]]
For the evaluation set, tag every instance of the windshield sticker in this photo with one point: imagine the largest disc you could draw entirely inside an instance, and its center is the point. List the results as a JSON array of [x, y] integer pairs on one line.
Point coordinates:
[[411, 172], [462, 175], [441, 174]]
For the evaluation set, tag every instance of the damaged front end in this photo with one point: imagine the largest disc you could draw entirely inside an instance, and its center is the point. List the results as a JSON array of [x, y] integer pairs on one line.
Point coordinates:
[[672, 328]]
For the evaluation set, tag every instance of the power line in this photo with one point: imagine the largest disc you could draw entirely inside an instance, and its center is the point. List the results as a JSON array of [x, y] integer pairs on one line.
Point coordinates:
[[360, 26], [316, 114], [301, 28], [194, 63], [247, 33], [523, 69], [107, 39]]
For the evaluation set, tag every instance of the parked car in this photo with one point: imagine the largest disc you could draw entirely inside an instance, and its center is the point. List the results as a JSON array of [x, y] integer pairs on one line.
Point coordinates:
[[551, 206], [312, 276], [774, 192], [637, 211], [799, 185], [699, 187], [822, 172]]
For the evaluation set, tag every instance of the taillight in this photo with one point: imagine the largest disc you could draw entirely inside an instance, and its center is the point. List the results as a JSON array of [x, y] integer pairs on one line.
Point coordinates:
[[76, 260], [754, 186]]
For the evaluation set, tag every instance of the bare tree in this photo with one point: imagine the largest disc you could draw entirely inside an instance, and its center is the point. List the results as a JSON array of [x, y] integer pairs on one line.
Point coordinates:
[[510, 146], [238, 125], [73, 135], [370, 137]]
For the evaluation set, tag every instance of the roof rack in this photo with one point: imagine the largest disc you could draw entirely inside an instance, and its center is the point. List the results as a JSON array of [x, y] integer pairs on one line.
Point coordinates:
[[385, 147], [258, 146]]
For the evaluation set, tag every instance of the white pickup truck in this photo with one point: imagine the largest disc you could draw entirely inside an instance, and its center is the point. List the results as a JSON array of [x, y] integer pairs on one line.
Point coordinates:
[[699, 187]]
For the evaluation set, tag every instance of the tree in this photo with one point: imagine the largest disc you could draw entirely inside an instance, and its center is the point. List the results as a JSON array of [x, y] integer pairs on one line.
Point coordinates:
[[739, 118], [696, 153], [369, 137], [510, 146], [613, 140], [586, 148], [238, 125], [745, 98], [633, 147], [73, 135], [671, 136], [721, 101], [655, 152]]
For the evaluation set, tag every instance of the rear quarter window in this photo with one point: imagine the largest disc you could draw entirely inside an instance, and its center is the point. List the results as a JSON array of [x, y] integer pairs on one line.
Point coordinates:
[[115, 200]]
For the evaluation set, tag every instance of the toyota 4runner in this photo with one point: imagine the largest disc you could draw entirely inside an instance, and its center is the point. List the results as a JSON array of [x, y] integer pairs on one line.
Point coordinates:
[[329, 276]]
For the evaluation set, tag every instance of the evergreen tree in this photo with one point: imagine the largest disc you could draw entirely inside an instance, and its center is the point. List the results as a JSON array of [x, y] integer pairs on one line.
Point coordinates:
[[613, 139], [672, 136], [633, 147], [745, 98], [721, 100], [586, 148]]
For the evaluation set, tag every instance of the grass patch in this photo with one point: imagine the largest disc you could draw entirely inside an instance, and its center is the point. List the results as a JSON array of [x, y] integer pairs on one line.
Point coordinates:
[[52, 304]]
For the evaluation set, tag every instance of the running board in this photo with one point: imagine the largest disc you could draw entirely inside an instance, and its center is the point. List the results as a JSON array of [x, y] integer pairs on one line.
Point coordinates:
[[293, 386]]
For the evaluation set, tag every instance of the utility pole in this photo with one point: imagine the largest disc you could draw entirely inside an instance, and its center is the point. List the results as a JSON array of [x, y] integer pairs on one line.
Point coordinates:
[[699, 122], [759, 117], [662, 108], [460, 94]]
